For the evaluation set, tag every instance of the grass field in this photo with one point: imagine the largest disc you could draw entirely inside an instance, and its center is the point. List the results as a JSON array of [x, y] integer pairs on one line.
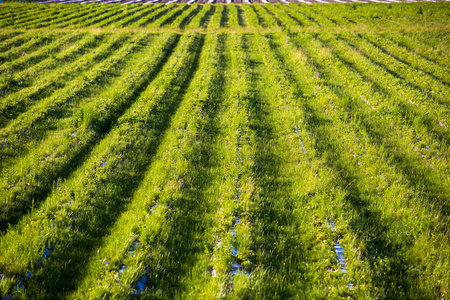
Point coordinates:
[[225, 151]]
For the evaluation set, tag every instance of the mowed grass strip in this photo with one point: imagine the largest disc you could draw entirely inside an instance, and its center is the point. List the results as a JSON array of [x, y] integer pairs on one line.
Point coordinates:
[[63, 149], [26, 68], [372, 171], [232, 230], [419, 128], [111, 172], [10, 69], [33, 44], [17, 102], [149, 217], [30, 125]]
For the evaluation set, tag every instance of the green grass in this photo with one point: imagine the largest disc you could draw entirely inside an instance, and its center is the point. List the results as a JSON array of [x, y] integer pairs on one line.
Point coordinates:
[[176, 141]]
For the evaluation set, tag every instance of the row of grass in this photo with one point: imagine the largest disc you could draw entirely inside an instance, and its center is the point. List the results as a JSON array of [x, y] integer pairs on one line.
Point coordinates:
[[110, 172], [294, 250], [162, 216], [234, 16], [18, 73], [232, 259], [68, 138], [380, 170], [16, 102]]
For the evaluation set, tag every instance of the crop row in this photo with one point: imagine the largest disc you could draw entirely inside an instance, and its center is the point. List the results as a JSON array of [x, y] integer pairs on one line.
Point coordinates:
[[160, 226], [259, 165], [376, 167], [110, 167], [90, 119], [17, 102], [229, 16]]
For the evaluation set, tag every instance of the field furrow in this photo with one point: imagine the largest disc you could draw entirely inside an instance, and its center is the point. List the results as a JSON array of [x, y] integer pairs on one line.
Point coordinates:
[[173, 166], [81, 19], [115, 165], [436, 53], [394, 168], [61, 22], [23, 17], [175, 10], [201, 19], [391, 81], [119, 16], [135, 17], [33, 20], [188, 14], [216, 18], [26, 48], [31, 60], [50, 20], [417, 80], [11, 40], [22, 79], [23, 128], [159, 12], [31, 175], [293, 241], [94, 21], [18, 102], [229, 256], [416, 126]]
